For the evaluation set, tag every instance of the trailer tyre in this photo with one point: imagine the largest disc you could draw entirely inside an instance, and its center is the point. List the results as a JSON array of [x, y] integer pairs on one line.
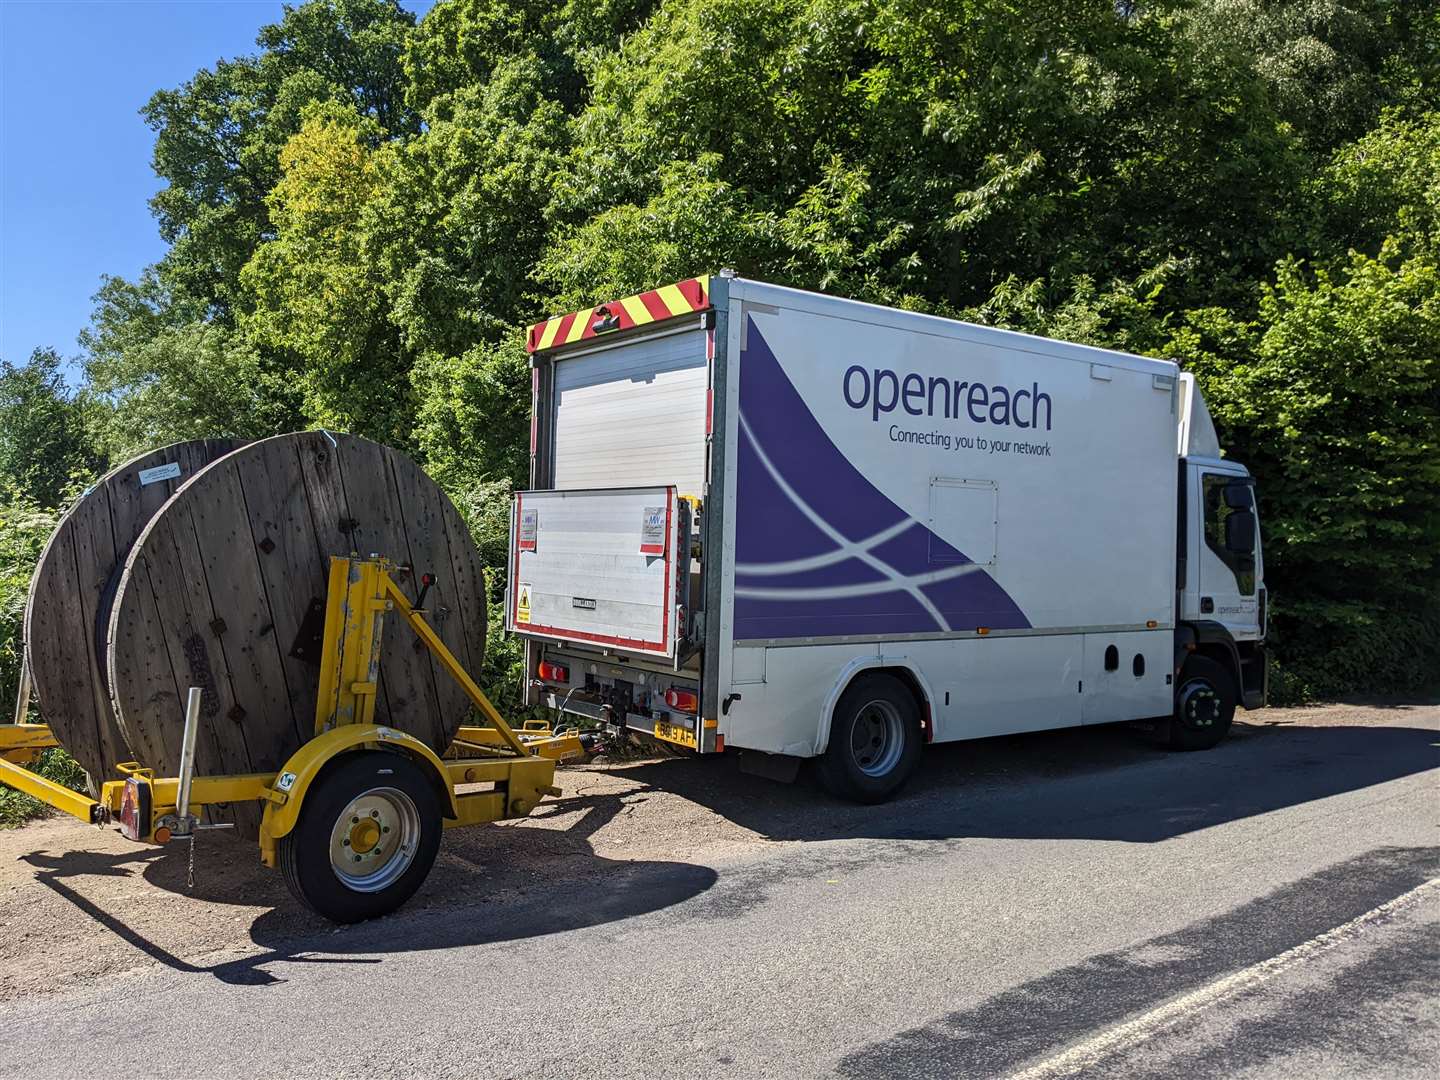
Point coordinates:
[[874, 740], [366, 839], [1204, 705]]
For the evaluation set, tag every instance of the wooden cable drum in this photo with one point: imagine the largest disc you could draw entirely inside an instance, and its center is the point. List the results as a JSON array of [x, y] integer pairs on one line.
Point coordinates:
[[68, 608], [225, 590]]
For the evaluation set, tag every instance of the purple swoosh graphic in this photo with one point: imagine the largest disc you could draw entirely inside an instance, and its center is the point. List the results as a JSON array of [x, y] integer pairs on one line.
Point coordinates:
[[787, 463]]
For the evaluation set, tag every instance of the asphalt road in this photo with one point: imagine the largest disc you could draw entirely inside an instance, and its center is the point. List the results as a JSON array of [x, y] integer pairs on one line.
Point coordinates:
[[1058, 905]]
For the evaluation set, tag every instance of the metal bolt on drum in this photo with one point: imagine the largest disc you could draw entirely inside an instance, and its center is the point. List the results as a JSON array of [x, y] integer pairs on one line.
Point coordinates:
[[375, 839], [877, 738]]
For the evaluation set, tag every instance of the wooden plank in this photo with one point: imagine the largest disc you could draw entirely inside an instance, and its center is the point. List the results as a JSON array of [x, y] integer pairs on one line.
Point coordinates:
[[241, 623], [292, 571], [67, 609], [166, 673], [336, 532], [456, 603], [220, 581], [410, 695]]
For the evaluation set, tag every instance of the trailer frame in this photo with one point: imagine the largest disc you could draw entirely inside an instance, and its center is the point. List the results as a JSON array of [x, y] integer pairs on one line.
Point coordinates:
[[490, 772]]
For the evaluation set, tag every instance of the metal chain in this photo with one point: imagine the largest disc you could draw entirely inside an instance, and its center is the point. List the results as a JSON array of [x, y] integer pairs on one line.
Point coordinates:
[[190, 870]]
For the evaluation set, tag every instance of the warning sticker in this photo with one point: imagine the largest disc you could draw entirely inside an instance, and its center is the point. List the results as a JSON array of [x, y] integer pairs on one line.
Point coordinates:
[[522, 604], [652, 531], [529, 530]]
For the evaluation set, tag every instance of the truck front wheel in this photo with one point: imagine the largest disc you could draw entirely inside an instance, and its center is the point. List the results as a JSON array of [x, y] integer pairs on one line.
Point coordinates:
[[874, 740], [1204, 705], [366, 839]]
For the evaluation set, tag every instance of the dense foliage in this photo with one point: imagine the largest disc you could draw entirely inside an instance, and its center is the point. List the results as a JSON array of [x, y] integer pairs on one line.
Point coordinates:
[[363, 215]]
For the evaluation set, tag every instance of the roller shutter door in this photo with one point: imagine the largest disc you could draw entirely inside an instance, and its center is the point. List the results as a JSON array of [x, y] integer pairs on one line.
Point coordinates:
[[633, 416]]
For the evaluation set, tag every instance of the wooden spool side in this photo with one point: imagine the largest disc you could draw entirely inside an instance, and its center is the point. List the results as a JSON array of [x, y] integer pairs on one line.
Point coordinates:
[[215, 593], [67, 608]]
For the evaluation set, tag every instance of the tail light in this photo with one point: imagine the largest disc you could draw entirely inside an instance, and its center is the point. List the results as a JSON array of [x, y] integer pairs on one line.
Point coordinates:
[[684, 700], [554, 672], [135, 810]]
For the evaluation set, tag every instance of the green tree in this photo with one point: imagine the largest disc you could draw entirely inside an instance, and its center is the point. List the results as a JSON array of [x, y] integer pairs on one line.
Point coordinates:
[[1332, 397], [44, 444], [313, 290], [1385, 186], [24, 529], [219, 136], [960, 144], [165, 373], [459, 216]]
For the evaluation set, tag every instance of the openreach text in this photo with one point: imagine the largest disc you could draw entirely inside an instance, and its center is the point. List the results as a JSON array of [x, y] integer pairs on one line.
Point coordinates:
[[883, 391]]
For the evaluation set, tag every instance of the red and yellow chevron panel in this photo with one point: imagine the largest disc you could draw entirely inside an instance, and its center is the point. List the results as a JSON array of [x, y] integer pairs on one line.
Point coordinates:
[[666, 302]]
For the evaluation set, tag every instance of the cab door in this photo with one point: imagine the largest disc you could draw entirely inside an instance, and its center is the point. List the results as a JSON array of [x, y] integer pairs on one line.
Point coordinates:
[[1226, 546]]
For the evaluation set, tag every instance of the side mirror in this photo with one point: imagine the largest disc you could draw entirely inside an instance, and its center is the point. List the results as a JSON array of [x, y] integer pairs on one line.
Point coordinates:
[[1240, 532], [1237, 496]]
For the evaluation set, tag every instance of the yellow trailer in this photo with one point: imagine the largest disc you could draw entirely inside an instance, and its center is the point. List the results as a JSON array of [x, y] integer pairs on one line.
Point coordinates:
[[353, 818]]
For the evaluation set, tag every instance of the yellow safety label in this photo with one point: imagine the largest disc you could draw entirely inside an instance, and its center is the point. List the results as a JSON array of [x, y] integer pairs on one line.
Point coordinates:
[[522, 607]]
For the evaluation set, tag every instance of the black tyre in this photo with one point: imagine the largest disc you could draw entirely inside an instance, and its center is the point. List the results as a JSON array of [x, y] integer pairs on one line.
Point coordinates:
[[874, 740], [366, 838], [1204, 705]]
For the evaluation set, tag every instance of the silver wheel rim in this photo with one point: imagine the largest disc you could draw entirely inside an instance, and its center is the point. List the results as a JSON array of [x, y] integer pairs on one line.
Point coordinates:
[[375, 840], [877, 738]]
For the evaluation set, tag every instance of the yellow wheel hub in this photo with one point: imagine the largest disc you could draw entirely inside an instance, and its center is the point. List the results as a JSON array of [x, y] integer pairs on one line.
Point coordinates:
[[364, 836]]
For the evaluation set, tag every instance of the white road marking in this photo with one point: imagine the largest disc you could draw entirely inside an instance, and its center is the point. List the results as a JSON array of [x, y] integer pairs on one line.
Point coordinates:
[[1133, 1032]]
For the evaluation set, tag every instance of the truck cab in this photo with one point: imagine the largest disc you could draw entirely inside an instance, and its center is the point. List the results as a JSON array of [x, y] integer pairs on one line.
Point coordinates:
[[1220, 569]]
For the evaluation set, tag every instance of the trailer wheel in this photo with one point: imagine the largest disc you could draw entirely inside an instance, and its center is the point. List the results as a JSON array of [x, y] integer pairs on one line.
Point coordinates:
[[1204, 705], [874, 740], [367, 837]]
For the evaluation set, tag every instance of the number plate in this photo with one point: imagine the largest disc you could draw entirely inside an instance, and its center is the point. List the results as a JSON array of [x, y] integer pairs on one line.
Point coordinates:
[[674, 734]]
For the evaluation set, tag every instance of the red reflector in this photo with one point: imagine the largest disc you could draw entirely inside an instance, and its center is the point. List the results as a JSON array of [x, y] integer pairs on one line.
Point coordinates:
[[554, 672], [684, 700], [135, 810]]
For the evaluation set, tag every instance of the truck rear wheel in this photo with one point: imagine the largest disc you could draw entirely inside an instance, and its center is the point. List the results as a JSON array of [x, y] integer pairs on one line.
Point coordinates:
[[874, 740], [1204, 705], [366, 839]]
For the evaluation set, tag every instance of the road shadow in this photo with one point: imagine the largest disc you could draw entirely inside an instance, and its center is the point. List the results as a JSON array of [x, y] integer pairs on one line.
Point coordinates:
[[483, 889], [542, 876], [1095, 783]]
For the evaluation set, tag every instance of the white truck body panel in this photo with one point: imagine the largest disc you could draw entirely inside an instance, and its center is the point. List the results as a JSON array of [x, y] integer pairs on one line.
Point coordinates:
[[867, 506], [595, 567]]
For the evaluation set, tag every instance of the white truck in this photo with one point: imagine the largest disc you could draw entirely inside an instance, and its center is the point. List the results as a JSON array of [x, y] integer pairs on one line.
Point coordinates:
[[801, 526]]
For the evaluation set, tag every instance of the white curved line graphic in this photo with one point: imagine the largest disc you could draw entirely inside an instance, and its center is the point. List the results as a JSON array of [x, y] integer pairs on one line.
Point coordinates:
[[836, 592], [815, 562], [824, 526]]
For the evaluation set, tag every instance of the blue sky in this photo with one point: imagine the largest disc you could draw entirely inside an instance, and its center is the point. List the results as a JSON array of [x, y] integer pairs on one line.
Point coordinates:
[[75, 176]]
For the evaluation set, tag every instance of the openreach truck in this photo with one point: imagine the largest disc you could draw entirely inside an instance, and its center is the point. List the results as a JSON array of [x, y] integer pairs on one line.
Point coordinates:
[[808, 527]]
